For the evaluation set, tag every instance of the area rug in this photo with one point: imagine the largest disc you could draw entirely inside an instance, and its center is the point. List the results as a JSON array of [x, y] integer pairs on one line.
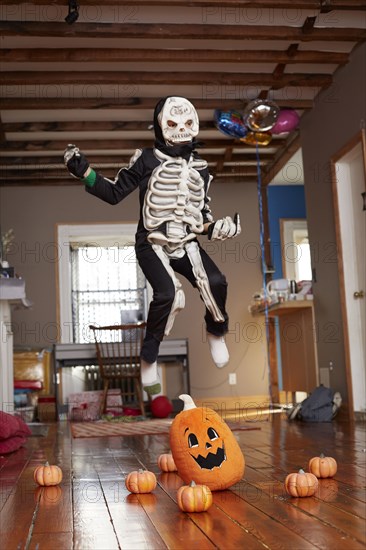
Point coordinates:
[[147, 427]]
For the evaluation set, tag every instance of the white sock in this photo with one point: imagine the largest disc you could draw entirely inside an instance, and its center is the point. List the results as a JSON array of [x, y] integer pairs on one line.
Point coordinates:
[[218, 349], [149, 373]]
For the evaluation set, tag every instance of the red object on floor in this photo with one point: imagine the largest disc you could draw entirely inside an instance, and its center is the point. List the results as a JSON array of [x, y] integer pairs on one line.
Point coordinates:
[[34, 385], [130, 411], [13, 432], [161, 407]]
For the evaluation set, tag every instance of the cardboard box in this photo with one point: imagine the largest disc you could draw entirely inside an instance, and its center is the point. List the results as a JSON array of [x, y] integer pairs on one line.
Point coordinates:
[[46, 410], [84, 406]]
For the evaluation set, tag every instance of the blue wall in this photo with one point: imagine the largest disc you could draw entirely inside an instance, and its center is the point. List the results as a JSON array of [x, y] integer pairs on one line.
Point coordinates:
[[284, 201]]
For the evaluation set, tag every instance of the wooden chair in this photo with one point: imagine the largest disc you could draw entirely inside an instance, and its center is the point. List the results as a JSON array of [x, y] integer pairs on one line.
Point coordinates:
[[118, 354]]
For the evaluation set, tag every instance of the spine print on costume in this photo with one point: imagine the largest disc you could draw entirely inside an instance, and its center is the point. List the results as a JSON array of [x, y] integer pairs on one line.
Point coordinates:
[[173, 182]]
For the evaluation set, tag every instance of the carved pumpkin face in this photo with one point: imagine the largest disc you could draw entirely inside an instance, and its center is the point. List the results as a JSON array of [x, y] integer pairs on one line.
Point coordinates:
[[205, 450]]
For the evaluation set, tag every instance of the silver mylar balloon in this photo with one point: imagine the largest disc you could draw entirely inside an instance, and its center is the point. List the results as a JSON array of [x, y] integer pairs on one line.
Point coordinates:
[[261, 115]]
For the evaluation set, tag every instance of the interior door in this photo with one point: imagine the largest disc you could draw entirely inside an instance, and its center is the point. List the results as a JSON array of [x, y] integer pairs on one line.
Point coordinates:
[[349, 184]]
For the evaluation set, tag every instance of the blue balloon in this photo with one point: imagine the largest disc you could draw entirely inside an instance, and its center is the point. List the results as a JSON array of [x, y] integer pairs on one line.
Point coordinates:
[[230, 123]]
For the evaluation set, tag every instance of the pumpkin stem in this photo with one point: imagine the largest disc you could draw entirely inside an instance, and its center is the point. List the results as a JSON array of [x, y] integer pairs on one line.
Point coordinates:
[[322, 455], [192, 484], [301, 471], [46, 463], [188, 402]]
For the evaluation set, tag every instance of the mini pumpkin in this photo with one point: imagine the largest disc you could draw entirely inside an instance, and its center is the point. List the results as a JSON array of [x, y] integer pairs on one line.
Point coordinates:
[[47, 475], [323, 466], [301, 484], [141, 481], [166, 463], [194, 498], [204, 448]]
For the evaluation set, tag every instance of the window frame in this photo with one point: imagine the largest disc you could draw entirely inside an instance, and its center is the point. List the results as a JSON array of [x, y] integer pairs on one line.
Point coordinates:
[[101, 233]]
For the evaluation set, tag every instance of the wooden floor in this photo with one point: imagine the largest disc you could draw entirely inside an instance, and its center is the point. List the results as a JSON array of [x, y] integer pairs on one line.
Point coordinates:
[[93, 510]]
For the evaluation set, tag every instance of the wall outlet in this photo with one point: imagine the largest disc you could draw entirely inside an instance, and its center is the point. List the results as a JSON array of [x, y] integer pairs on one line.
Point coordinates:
[[232, 378]]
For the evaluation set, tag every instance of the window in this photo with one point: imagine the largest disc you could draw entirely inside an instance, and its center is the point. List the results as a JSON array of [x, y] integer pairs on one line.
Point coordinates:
[[100, 281], [107, 287]]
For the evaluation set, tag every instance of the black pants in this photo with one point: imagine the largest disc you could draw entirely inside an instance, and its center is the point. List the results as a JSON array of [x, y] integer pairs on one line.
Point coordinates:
[[164, 294]]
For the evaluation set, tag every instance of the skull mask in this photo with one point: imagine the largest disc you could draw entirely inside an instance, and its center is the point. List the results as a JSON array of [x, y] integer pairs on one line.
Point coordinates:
[[178, 121]]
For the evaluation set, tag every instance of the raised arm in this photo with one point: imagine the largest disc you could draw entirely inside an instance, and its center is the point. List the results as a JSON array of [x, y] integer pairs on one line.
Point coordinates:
[[111, 191]]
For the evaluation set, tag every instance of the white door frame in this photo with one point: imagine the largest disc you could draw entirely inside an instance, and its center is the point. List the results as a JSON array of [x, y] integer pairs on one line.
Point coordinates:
[[358, 139]]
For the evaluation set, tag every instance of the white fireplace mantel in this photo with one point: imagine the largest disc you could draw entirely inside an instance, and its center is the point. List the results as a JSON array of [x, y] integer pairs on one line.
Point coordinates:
[[12, 295]]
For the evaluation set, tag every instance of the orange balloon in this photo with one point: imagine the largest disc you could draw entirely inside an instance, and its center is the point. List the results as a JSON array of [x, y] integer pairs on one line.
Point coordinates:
[[260, 138]]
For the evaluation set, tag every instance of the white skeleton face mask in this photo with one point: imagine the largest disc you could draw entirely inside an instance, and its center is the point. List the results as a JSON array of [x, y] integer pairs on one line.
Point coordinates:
[[178, 121]]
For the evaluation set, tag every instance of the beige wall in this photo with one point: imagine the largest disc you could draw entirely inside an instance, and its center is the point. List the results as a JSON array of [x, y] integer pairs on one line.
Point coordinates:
[[338, 115], [33, 214]]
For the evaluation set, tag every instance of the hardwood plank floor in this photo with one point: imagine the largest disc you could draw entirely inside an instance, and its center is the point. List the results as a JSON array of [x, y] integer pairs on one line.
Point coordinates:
[[93, 510]]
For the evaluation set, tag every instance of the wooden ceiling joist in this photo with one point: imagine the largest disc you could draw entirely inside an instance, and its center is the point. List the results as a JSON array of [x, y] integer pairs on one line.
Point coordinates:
[[139, 78], [89, 143], [172, 31], [135, 103], [96, 126], [113, 55], [216, 4]]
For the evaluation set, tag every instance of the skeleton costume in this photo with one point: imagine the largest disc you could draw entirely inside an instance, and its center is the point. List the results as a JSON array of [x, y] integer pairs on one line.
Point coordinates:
[[173, 182]]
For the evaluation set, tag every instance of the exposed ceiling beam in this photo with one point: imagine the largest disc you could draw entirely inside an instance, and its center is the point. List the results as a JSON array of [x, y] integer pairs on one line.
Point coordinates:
[[96, 126], [117, 160], [103, 55], [216, 4], [171, 31], [108, 144], [70, 181], [224, 158], [59, 172], [132, 78], [135, 103]]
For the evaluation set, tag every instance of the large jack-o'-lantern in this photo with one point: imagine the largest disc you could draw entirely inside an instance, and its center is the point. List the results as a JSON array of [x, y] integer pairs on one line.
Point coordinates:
[[204, 448]]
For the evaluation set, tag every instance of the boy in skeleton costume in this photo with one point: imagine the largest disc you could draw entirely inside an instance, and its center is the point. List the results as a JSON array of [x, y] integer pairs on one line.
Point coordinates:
[[173, 183]]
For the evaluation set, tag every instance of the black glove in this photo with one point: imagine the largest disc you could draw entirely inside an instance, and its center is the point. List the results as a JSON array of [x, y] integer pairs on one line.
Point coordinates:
[[224, 228], [76, 162]]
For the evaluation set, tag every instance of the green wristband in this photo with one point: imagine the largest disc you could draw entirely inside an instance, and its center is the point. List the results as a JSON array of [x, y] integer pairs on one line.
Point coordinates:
[[90, 178]]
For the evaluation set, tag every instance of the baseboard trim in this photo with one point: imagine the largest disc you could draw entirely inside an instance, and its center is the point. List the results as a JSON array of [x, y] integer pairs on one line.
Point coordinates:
[[246, 408], [262, 401]]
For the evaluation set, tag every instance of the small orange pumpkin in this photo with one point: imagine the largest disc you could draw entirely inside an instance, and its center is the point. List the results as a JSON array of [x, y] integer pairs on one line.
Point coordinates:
[[301, 484], [166, 463], [323, 466], [47, 475], [194, 498], [141, 481], [204, 448]]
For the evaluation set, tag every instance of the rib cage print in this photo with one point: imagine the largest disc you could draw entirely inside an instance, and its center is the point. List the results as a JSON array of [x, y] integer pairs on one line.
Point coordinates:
[[175, 196]]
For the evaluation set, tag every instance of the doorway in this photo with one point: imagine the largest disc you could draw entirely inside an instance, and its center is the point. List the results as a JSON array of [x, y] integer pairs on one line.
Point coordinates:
[[296, 257], [349, 185]]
